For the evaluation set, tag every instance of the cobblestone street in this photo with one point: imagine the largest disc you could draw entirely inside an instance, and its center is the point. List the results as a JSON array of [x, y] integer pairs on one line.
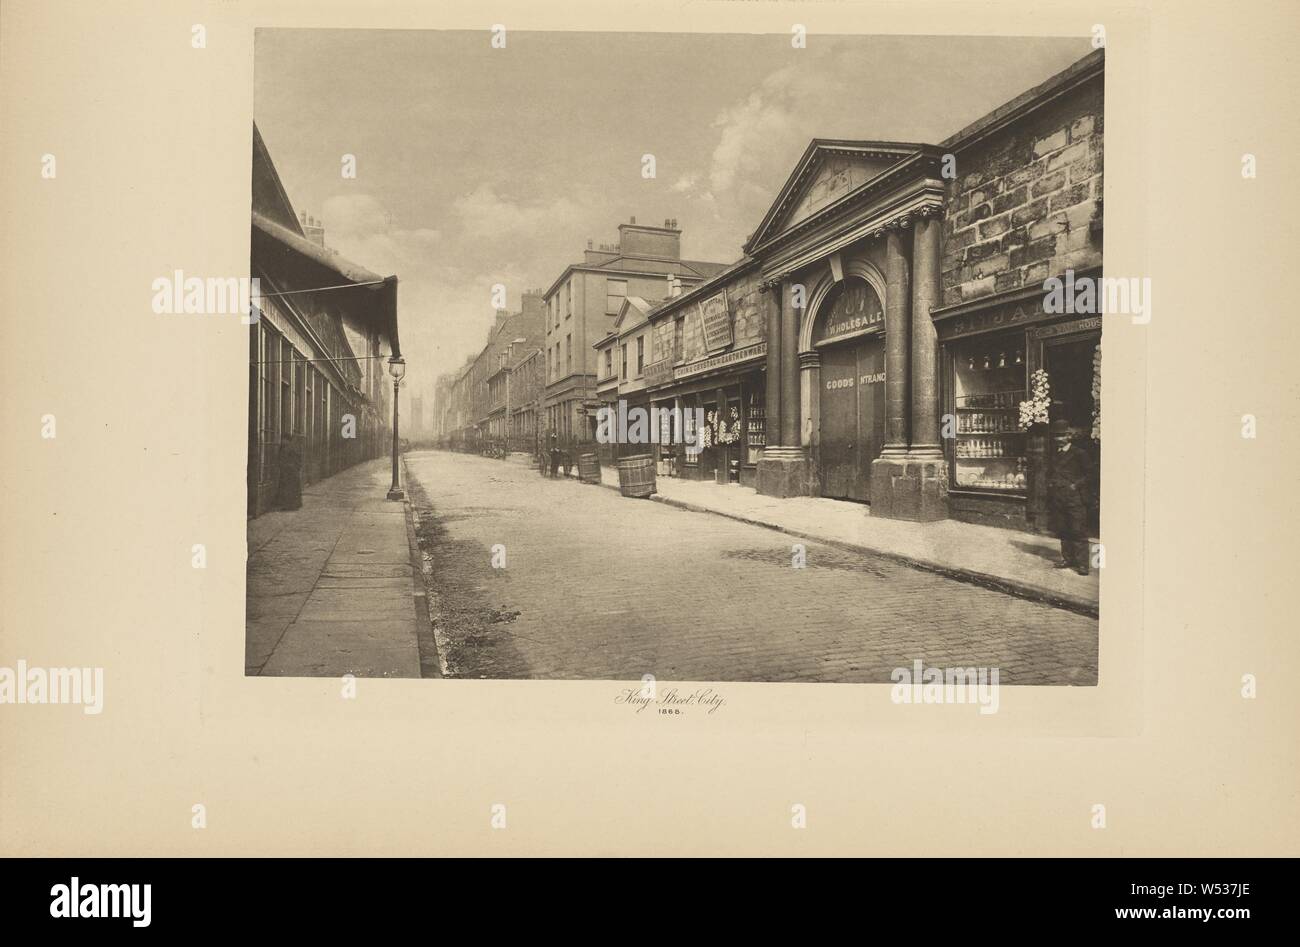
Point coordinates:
[[599, 586]]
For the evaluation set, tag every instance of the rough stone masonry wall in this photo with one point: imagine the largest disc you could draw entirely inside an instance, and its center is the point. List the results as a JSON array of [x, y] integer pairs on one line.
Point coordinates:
[[748, 313], [1026, 202]]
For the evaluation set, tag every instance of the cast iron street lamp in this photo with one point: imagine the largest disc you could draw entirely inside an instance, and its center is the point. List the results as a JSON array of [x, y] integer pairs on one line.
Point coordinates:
[[396, 368]]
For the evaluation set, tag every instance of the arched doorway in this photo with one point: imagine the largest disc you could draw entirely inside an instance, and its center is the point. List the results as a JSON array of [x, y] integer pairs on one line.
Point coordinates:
[[849, 334]]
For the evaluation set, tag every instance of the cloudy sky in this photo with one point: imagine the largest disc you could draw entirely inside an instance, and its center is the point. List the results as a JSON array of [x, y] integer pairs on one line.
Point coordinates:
[[478, 166]]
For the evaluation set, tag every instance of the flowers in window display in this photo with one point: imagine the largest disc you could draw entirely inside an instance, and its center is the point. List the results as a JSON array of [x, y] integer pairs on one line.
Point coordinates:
[[706, 431], [1096, 393], [1034, 411], [729, 433]]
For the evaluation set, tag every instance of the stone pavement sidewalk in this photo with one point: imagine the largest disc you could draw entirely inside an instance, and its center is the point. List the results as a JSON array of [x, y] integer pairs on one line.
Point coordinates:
[[1015, 562], [330, 586]]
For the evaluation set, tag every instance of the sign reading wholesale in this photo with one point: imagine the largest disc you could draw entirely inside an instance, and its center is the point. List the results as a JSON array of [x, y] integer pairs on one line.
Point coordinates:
[[716, 321]]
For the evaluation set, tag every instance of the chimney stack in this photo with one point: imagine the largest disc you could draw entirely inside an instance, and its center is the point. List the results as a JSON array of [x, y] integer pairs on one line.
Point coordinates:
[[312, 229]]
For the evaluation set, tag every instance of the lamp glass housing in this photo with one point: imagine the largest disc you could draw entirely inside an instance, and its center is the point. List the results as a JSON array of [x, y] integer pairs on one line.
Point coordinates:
[[397, 368]]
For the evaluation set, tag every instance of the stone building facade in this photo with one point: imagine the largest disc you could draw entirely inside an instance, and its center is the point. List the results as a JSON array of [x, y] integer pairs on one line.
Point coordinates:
[[887, 319], [476, 403], [582, 303], [1025, 208]]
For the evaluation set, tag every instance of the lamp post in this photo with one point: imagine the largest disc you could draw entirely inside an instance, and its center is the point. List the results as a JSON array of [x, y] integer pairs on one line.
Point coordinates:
[[396, 368]]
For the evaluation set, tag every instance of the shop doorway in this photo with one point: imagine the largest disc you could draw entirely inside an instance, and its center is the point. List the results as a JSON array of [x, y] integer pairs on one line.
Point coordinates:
[[1069, 364], [852, 428]]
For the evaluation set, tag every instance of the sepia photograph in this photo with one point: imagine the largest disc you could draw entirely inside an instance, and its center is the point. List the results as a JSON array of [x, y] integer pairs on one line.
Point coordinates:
[[696, 357], [781, 429]]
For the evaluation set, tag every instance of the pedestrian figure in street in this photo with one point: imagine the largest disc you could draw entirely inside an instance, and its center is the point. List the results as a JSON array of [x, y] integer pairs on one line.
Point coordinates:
[[1068, 490], [555, 455], [288, 492]]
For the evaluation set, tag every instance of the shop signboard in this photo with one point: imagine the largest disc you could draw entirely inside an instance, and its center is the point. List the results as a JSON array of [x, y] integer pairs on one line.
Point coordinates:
[[1065, 328], [715, 319], [723, 361], [854, 312], [658, 373], [1011, 315]]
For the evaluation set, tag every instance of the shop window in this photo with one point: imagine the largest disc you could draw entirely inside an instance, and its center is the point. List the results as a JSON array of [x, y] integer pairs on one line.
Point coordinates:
[[285, 369], [989, 449], [755, 424], [308, 405], [270, 412], [690, 433]]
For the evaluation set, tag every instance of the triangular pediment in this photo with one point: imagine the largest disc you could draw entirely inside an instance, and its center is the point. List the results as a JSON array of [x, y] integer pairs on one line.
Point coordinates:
[[631, 313], [828, 172]]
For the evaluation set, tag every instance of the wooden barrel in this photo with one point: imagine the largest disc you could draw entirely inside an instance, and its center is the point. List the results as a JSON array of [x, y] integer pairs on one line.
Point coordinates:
[[589, 467], [636, 475]]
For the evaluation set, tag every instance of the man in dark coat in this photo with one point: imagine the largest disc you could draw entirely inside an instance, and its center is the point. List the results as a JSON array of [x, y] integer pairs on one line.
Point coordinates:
[[1068, 490], [288, 489], [555, 455]]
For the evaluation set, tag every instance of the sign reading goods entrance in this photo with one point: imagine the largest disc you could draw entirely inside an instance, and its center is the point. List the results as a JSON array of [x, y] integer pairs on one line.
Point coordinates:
[[716, 320], [855, 311]]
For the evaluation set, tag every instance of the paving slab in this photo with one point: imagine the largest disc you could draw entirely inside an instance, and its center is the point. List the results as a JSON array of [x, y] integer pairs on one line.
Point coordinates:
[[331, 585]]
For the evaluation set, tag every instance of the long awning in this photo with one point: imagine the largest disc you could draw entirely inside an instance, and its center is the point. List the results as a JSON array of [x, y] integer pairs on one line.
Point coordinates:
[[325, 268]]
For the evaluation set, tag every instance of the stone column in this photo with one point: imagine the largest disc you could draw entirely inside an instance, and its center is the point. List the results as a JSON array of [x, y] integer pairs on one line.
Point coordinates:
[[783, 471], [911, 484], [790, 433], [772, 391], [896, 341], [925, 347]]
